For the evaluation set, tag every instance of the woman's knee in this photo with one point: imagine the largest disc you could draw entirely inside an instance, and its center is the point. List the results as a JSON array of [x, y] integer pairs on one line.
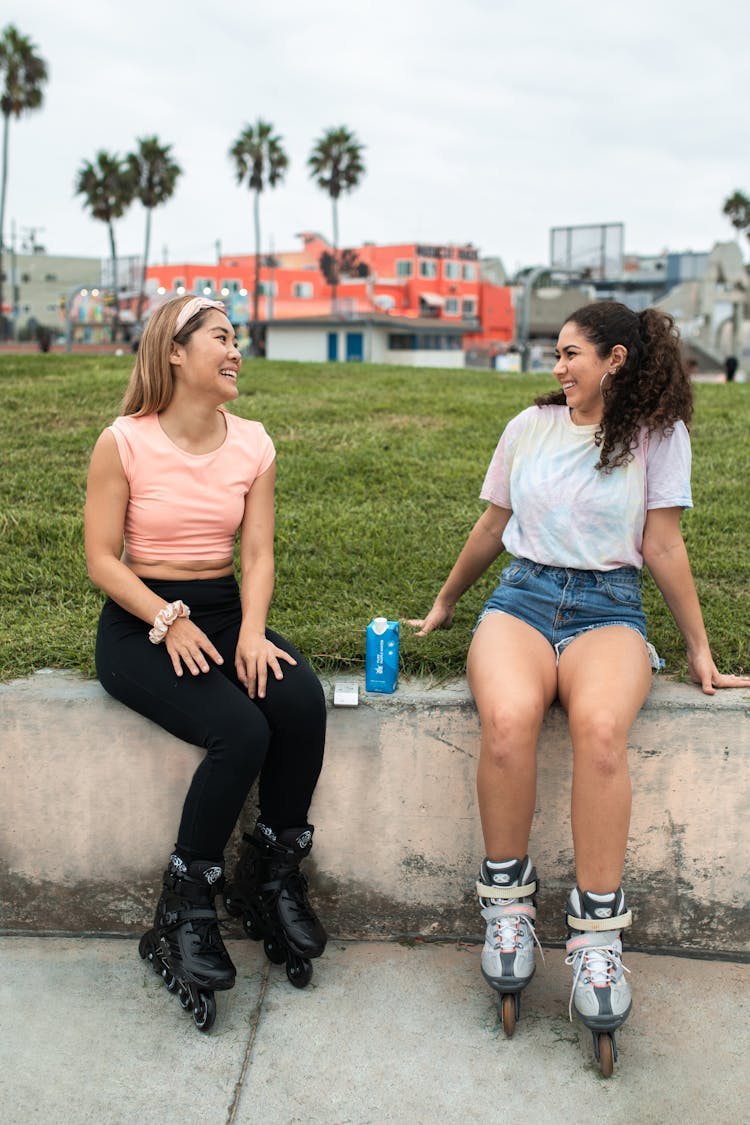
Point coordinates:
[[599, 742], [509, 734], [296, 700]]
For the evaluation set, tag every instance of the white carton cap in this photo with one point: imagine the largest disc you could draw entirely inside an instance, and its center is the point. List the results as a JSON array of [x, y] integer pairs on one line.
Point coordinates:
[[380, 625]]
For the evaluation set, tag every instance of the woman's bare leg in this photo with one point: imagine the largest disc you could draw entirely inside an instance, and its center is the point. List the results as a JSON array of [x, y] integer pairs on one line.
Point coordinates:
[[604, 677], [512, 676]]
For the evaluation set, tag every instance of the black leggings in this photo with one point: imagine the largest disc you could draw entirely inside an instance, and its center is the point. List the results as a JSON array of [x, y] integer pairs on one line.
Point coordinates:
[[280, 737]]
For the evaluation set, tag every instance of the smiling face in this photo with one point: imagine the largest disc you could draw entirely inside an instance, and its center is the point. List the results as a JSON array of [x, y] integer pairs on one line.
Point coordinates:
[[209, 363], [579, 371]]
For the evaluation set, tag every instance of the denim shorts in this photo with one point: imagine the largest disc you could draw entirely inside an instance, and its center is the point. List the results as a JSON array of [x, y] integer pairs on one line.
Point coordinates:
[[561, 603]]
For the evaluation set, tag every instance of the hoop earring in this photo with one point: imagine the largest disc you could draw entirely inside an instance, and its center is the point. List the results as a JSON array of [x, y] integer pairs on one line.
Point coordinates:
[[601, 381]]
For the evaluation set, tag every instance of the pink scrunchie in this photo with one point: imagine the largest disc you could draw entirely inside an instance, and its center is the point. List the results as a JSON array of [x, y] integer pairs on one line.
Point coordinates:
[[166, 617]]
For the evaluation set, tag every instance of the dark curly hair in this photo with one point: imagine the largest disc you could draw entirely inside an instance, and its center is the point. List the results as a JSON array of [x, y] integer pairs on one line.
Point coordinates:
[[652, 387]]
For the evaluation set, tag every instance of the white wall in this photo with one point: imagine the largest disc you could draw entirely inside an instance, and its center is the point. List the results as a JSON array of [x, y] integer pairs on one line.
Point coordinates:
[[309, 344], [425, 358]]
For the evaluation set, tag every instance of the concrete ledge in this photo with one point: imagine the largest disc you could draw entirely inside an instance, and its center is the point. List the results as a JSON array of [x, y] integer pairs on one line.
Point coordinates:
[[91, 793]]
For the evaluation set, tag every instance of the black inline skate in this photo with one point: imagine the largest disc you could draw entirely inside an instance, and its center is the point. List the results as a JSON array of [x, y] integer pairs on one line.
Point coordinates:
[[185, 947], [270, 894]]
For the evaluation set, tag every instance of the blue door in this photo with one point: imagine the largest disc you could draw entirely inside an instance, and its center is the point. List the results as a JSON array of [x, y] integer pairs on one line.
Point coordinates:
[[333, 347], [354, 347]]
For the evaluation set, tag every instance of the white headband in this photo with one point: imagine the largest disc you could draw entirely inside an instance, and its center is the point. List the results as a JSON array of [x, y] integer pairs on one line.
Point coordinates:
[[193, 306]]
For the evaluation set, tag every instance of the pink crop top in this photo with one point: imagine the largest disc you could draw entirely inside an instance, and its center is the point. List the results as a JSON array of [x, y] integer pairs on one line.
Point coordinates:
[[182, 505]]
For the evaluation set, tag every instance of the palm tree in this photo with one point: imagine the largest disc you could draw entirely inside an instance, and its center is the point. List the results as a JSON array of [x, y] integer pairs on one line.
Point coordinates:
[[24, 74], [155, 174], [259, 161], [737, 210], [109, 187], [336, 165]]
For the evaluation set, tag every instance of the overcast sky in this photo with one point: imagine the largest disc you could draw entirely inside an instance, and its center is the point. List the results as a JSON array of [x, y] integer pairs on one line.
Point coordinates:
[[484, 121]]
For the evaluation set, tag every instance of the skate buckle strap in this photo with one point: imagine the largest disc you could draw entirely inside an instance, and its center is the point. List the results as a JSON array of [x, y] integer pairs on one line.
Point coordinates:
[[495, 892], [600, 925], [512, 910], [174, 918]]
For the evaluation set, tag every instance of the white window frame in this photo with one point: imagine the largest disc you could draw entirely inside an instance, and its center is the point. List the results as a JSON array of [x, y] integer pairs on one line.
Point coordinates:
[[469, 271], [428, 268], [452, 306], [452, 270], [404, 267], [306, 288]]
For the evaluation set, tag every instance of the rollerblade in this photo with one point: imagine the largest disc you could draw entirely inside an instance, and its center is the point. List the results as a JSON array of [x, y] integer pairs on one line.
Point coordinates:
[[185, 947], [507, 893], [270, 894], [600, 992]]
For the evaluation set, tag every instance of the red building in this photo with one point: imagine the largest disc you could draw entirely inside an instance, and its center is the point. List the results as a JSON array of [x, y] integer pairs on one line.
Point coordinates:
[[405, 280]]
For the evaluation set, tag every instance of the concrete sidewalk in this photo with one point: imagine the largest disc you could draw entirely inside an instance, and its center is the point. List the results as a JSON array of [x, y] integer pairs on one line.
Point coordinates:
[[386, 1032]]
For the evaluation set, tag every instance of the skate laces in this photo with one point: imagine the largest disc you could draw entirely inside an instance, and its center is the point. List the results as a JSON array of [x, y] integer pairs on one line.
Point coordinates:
[[510, 929], [295, 886], [600, 965]]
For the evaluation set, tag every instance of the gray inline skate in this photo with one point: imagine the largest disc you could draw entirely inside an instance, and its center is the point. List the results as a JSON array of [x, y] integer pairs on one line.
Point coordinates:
[[600, 993], [184, 947], [507, 896], [269, 893]]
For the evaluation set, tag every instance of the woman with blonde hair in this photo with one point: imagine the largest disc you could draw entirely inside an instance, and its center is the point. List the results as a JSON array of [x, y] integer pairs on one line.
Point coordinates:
[[173, 483]]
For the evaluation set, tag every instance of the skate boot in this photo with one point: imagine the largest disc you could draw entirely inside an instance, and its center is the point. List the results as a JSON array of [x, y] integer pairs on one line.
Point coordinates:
[[270, 894], [184, 946], [507, 896], [600, 992]]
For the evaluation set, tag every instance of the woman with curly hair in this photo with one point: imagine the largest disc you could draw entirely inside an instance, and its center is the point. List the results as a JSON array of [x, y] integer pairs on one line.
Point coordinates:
[[584, 488]]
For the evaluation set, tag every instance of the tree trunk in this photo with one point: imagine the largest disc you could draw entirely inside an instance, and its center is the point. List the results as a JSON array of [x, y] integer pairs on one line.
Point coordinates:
[[334, 287], [116, 314], [255, 333], [6, 121], [142, 293]]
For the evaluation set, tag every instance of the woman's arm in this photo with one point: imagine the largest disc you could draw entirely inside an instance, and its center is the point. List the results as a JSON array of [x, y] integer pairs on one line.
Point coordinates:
[[255, 654], [665, 555], [483, 545], [107, 495]]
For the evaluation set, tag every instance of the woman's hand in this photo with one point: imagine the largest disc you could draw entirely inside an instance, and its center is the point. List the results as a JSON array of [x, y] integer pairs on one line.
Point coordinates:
[[439, 617], [703, 671], [189, 645], [254, 656]]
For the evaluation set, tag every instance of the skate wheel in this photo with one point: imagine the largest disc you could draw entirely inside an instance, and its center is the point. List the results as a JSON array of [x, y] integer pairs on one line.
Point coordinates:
[[606, 1054], [170, 980], [299, 971], [274, 951], [185, 999], [231, 906], [252, 929], [204, 1011], [145, 949], [509, 1004]]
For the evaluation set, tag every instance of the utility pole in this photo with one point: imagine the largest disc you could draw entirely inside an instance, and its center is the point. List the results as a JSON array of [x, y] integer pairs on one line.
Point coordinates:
[[15, 299]]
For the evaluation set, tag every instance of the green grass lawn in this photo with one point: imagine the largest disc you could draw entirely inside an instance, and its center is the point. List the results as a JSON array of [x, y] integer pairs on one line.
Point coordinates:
[[379, 471]]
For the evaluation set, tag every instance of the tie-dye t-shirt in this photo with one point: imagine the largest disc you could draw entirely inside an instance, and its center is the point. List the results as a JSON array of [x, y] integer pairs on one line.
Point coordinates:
[[565, 512]]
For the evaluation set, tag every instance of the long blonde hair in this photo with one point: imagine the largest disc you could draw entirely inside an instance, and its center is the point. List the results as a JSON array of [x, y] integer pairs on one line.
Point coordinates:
[[151, 383]]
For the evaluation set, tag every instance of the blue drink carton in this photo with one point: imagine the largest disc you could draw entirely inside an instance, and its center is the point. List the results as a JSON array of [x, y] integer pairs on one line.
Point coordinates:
[[381, 655]]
